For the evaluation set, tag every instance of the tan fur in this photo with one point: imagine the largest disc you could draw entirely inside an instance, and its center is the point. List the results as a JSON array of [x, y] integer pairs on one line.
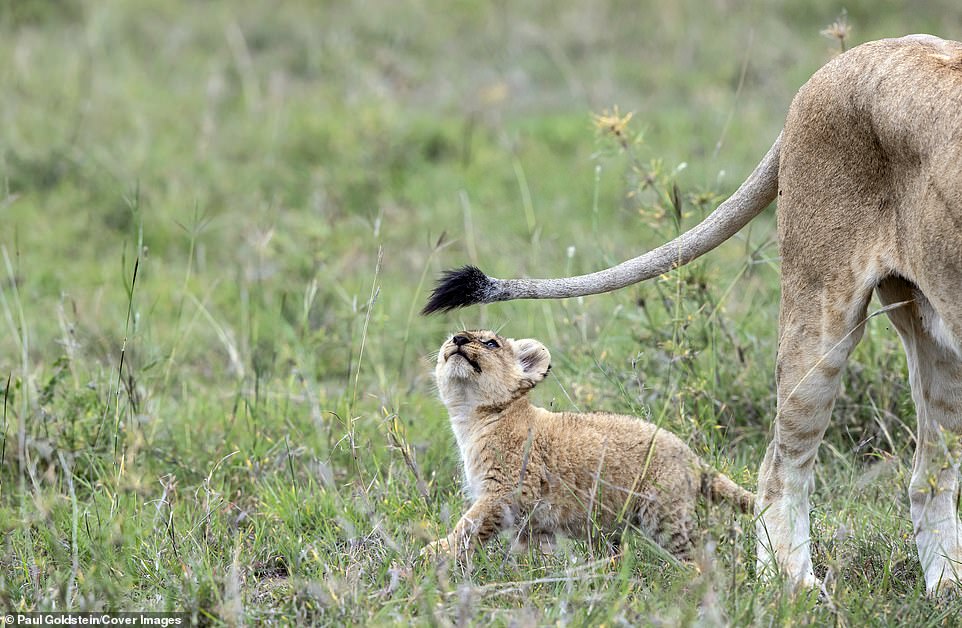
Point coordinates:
[[870, 198], [868, 176], [545, 472]]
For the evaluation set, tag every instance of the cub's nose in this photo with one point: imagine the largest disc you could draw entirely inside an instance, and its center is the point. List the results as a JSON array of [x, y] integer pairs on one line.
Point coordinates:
[[460, 340]]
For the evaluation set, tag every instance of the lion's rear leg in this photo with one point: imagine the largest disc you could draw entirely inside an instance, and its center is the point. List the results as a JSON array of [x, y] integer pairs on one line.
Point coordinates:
[[817, 333], [935, 373]]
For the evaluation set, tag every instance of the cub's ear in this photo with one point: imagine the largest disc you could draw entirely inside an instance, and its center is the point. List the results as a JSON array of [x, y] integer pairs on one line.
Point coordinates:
[[533, 358]]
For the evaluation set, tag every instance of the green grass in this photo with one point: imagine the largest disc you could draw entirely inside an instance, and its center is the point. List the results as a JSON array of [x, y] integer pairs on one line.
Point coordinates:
[[218, 221]]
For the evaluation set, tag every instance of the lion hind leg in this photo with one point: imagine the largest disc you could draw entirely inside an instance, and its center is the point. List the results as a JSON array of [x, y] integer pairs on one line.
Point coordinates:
[[935, 374], [816, 337]]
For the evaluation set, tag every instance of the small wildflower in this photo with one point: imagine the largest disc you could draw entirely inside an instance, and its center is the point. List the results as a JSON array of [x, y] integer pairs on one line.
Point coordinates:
[[611, 121], [839, 29], [494, 94]]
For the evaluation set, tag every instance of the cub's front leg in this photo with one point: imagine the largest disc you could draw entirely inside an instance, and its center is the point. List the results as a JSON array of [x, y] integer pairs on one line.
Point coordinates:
[[486, 517]]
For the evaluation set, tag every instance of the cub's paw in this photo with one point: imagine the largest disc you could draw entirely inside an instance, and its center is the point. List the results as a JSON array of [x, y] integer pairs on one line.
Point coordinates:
[[544, 544], [438, 549], [949, 590]]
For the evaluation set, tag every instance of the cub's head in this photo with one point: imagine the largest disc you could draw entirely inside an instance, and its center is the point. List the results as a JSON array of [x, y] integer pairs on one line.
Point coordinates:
[[480, 368]]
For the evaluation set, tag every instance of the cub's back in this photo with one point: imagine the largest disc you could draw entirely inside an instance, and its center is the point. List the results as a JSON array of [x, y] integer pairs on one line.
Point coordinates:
[[622, 446]]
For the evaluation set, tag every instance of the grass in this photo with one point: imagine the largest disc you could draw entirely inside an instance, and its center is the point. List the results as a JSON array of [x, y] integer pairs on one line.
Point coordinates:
[[218, 221]]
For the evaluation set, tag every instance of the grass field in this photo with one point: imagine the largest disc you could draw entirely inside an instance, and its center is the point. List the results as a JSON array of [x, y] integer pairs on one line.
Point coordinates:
[[218, 222]]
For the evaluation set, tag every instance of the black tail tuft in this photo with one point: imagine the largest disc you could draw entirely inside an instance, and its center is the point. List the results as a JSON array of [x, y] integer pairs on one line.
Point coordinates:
[[457, 288]]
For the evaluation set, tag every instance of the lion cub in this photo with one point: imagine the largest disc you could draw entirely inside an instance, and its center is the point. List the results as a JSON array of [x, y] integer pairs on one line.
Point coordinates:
[[546, 472]]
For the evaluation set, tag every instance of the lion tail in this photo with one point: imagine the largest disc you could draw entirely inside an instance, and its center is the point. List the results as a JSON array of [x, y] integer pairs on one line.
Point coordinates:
[[719, 487], [468, 285]]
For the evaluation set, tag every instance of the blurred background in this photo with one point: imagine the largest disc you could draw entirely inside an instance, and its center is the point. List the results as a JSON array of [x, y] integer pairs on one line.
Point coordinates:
[[218, 221]]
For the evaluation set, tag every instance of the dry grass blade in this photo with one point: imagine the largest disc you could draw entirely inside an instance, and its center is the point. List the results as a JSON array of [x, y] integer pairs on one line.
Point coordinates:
[[399, 443]]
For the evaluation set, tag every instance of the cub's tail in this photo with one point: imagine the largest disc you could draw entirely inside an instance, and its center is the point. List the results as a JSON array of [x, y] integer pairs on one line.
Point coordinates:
[[719, 487]]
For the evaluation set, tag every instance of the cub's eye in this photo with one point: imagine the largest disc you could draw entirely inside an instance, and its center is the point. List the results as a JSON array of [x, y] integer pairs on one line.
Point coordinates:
[[491, 344]]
